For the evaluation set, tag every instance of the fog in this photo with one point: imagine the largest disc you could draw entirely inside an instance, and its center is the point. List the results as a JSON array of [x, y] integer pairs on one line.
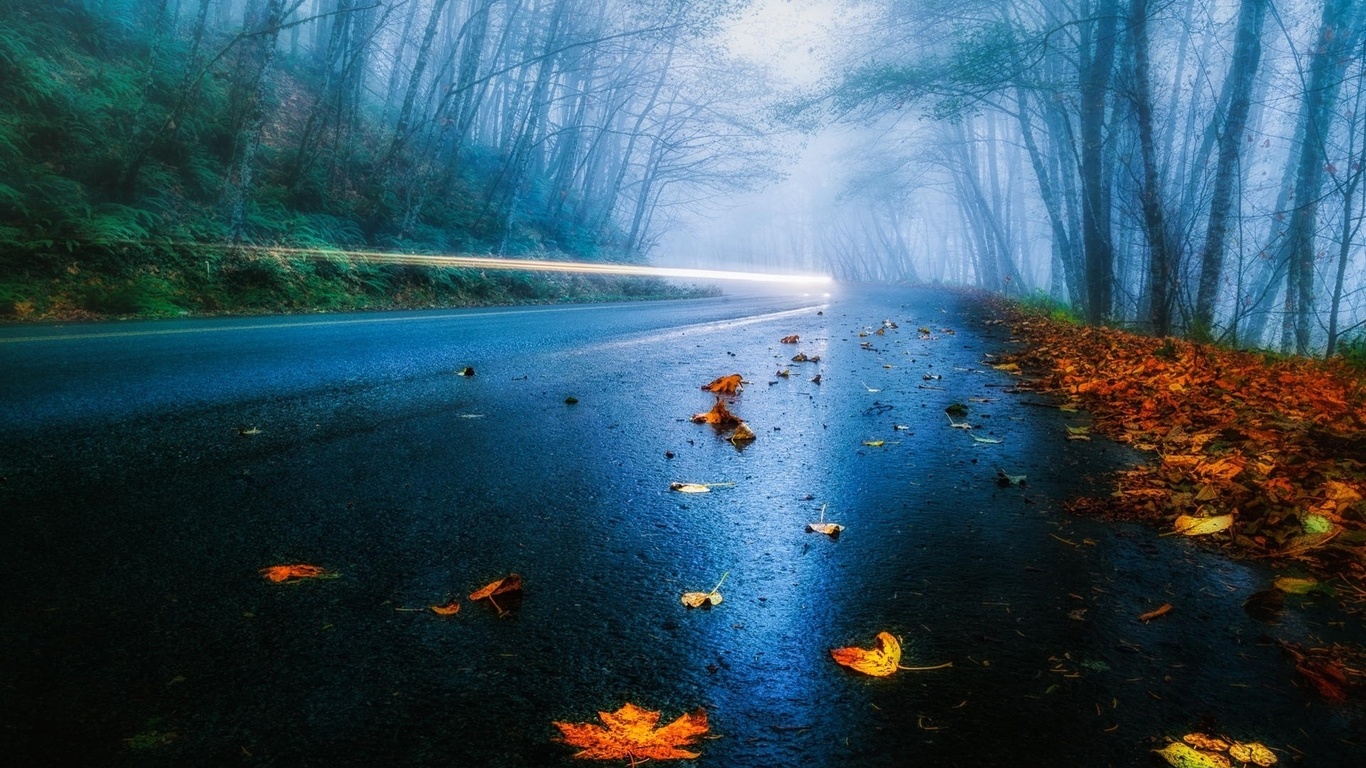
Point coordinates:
[[1185, 166]]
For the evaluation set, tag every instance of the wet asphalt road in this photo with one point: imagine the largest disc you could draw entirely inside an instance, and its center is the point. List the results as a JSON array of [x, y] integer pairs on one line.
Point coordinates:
[[136, 629]]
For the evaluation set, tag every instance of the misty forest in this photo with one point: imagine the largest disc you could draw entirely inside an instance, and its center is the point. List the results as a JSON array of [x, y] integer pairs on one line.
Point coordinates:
[[1177, 167], [819, 383]]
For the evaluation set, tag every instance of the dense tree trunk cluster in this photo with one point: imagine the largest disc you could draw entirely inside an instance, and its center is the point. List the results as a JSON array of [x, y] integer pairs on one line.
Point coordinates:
[[499, 125]]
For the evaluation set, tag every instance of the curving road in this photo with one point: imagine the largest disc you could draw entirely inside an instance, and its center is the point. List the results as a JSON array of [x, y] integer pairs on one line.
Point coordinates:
[[137, 630]]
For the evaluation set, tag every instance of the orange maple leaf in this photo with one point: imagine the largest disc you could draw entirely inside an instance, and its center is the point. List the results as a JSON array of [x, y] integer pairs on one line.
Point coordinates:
[[725, 385], [719, 415], [631, 735], [279, 573]]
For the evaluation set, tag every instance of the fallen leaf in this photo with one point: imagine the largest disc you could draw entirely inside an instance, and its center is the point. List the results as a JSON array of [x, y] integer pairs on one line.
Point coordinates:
[[1200, 526], [1182, 756], [630, 734], [784, 373], [571, 400], [829, 529], [690, 487], [248, 431], [874, 443], [1206, 742], [1252, 752], [793, 339], [878, 662], [1005, 481], [742, 434], [297, 572], [987, 440], [1295, 586], [1315, 523], [705, 599], [1161, 610], [957, 409], [725, 385], [509, 583], [1008, 368], [449, 609], [719, 415], [816, 379], [466, 371]]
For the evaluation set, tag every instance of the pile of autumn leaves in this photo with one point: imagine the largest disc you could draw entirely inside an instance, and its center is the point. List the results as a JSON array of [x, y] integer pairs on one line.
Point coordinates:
[[1269, 455]]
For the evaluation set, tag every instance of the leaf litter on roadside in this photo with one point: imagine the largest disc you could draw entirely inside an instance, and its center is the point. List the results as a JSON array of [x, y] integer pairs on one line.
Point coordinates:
[[1277, 439]]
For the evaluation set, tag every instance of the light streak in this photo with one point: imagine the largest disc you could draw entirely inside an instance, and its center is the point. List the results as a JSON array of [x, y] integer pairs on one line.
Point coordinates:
[[535, 265]]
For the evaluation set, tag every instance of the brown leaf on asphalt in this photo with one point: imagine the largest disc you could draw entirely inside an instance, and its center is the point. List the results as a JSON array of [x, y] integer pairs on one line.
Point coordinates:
[[742, 434], [719, 416], [509, 583], [793, 339], [630, 734], [1161, 610], [296, 572], [449, 609], [725, 385]]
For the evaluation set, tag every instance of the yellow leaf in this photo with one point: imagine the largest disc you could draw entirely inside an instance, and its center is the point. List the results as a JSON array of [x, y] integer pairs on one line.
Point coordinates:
[[1200, 526], [874, 443], [829, 529], [1182, 756], [878, 662], [1008, 367], [1295, 586], [631, 735], [705, 599], [1206, 742], [1252, 752], [742, 434], [690, 487]]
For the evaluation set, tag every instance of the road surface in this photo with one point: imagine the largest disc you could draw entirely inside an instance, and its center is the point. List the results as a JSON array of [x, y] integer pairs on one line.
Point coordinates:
[[137, 629]]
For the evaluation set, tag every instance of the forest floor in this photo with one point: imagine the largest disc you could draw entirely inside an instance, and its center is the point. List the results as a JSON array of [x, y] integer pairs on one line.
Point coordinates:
[[1262, 455], [169, 285]]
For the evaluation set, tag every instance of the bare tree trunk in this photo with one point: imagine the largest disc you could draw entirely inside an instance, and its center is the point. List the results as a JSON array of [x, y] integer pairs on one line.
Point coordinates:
[[1247, 53], [1099, 38], [1160, 262]]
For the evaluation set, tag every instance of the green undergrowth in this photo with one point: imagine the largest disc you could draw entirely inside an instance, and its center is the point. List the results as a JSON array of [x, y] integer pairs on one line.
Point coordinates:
[[170, 282]]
